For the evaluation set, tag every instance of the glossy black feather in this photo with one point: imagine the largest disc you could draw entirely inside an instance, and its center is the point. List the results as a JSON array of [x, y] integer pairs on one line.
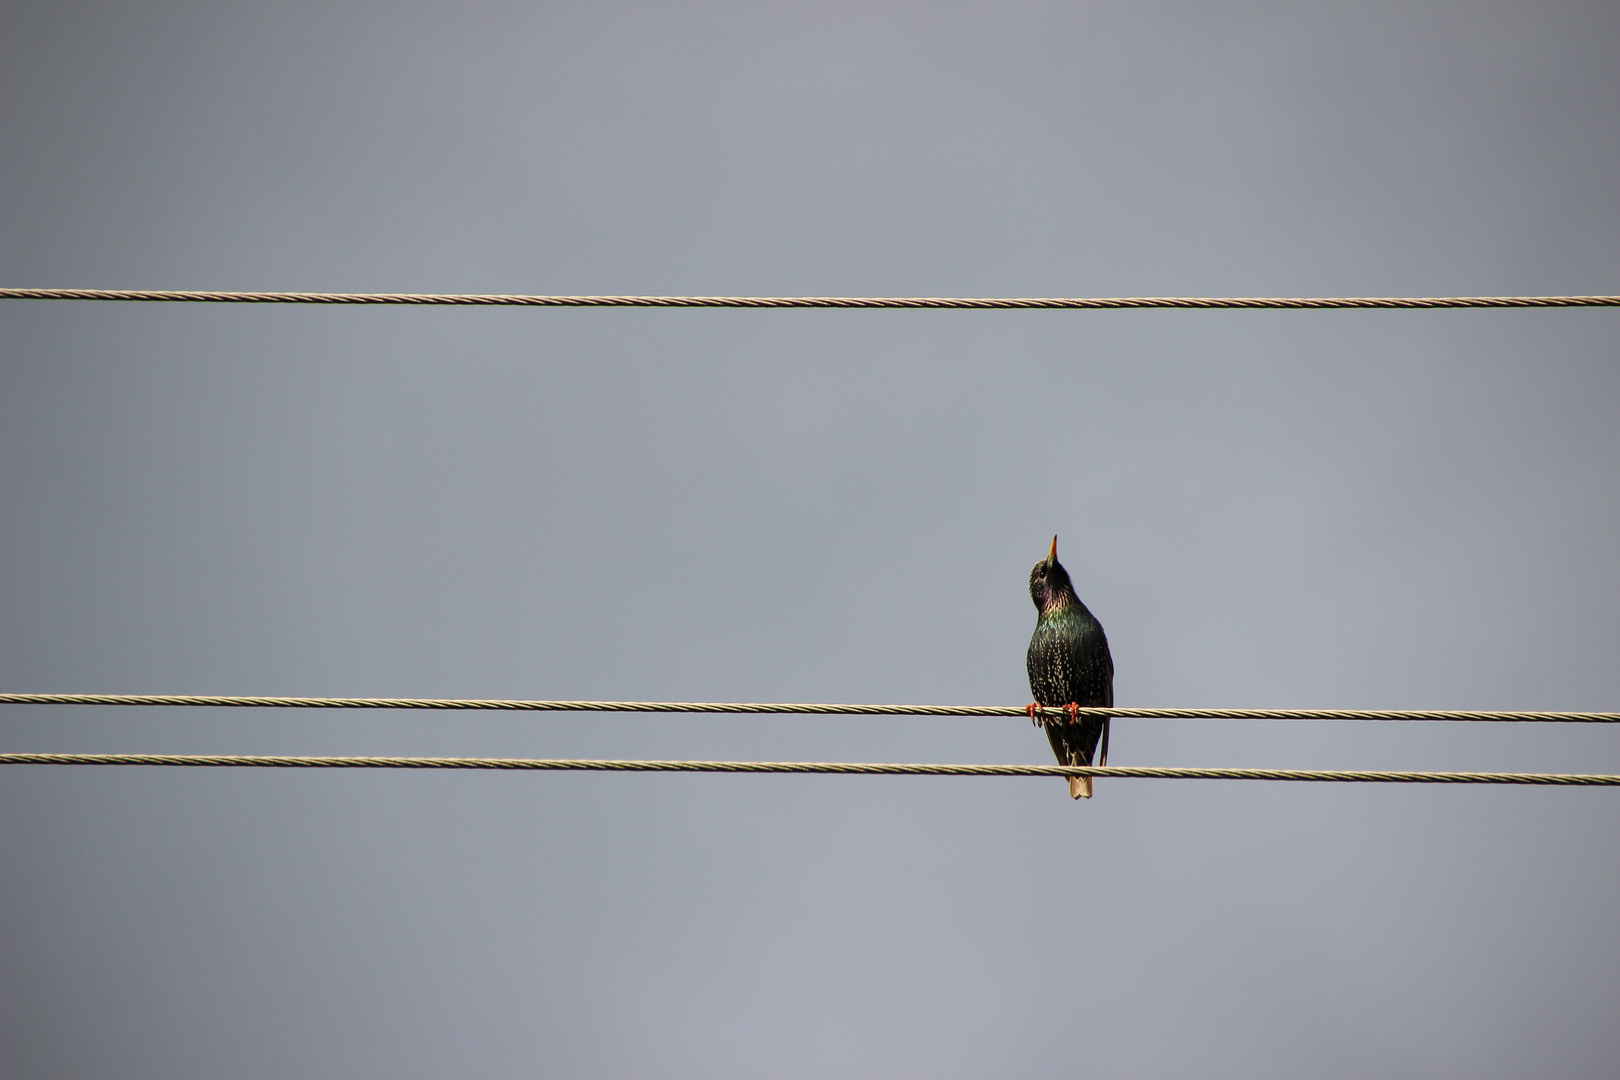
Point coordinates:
[[1068, 661]]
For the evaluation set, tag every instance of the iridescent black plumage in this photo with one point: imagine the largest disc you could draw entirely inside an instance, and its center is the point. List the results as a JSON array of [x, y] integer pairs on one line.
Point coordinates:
[[1068, 665]]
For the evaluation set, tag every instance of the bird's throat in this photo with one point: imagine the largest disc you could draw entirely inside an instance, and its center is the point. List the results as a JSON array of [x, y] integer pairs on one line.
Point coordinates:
[[1058, 603]]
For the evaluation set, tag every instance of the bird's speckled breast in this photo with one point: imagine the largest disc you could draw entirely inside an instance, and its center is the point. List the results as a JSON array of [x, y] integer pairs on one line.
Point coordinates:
[[1068, 660]]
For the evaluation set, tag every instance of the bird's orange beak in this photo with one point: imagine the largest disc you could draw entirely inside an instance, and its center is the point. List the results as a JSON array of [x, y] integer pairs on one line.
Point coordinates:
[[1051, 556]]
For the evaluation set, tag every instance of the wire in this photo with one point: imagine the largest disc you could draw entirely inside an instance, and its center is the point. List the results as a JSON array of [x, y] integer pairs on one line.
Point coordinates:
[[258, 761], [511, 300], [522, 705]]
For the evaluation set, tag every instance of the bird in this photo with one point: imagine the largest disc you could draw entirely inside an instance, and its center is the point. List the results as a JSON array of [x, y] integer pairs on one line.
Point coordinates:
[[1069, 668]]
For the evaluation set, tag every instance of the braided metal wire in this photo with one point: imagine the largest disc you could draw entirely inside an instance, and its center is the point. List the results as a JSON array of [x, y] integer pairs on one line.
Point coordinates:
[[842, 768], [980, 303], [720, 707]]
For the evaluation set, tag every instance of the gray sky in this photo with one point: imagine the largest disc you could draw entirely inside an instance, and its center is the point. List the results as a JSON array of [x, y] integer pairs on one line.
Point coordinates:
[[1352, 509]]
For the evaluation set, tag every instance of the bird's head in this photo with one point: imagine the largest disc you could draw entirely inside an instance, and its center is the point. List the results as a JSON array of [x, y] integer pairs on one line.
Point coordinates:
[[1049, 584]]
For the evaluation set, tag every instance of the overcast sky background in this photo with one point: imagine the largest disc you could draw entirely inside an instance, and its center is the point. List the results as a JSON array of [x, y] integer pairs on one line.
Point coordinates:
[[1344, 509]]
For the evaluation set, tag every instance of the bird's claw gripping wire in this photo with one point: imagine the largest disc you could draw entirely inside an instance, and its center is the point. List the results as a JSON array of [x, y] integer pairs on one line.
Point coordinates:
[[1037, 713]]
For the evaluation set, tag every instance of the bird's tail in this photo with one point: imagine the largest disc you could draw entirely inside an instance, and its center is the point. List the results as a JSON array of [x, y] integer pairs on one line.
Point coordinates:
[[1080, 786]]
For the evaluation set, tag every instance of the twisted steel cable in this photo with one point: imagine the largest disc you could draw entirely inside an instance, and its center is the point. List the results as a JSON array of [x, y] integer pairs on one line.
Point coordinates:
[[934, 302], [262, 761], [724, 707]]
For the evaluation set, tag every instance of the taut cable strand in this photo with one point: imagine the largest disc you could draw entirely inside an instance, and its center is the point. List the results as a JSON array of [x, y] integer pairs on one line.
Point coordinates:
[[722, 707], [842, 768], [932, 302]]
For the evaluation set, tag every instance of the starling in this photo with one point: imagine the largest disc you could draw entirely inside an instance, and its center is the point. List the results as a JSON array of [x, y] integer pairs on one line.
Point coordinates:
[[1069, 667]]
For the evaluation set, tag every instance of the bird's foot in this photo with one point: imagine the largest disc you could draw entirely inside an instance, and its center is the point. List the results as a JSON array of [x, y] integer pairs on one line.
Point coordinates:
[[1074, 712], [1034, 711]]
